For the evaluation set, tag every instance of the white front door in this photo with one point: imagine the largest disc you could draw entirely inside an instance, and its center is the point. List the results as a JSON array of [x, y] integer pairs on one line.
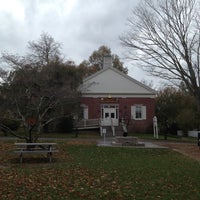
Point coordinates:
[[85, 113], [110, 117]]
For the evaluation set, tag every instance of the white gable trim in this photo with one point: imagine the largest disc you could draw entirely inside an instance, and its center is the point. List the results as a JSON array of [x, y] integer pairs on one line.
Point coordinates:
[[150, 90], [118, 95], [134, 80]]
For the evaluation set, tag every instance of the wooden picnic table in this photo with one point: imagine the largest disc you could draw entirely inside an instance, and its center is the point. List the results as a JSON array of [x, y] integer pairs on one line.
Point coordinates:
[[34, 148]]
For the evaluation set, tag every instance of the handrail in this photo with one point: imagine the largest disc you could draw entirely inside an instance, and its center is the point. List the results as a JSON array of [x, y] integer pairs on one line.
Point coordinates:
[[112, 127]]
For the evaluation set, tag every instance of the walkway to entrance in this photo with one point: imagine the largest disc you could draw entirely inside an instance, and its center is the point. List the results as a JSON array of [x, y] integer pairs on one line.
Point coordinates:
[[147, 144]]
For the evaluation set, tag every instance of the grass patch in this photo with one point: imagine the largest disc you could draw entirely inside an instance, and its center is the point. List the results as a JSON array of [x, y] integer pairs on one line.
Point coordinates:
[[76, 134], [95, 134], [162, 137], [85, 171]]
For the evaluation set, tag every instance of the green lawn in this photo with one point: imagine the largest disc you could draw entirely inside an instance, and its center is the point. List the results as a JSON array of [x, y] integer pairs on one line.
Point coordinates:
[[85, 171], [161, 137], [94, 134]]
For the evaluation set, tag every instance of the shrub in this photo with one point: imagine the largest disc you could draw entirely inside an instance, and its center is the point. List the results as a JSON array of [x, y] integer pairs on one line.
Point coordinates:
[[187, 120], [64, 124], [8, 124], [61, 125]]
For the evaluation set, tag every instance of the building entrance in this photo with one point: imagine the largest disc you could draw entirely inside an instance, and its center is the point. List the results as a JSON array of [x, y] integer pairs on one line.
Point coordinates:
[[109, 115]]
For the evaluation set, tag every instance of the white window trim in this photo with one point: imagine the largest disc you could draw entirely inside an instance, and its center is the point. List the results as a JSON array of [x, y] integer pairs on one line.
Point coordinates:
[[133, 112], [85, 111]]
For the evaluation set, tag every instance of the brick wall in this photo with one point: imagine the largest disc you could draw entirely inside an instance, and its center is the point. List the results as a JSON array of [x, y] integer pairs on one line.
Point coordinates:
[[94, 110]]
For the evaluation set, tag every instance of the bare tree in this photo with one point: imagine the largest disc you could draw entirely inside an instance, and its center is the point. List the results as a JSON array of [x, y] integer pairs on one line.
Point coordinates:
[[45, 50], [164, 37], [39, 88], [95, 62], [3, 74], [37, 97], [41, 52]]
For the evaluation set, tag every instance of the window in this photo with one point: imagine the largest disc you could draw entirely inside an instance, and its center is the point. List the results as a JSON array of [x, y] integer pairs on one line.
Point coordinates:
[[112, 115], [138, 112]]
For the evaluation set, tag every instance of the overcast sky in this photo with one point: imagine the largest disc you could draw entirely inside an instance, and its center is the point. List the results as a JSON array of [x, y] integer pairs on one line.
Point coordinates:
[[81, 26]]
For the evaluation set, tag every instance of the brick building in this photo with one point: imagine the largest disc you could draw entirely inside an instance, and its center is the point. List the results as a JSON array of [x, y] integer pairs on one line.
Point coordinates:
[[114, 98]]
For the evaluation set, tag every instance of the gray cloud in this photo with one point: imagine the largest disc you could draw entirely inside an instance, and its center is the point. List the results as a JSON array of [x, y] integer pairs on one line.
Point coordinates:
[[81, 26]]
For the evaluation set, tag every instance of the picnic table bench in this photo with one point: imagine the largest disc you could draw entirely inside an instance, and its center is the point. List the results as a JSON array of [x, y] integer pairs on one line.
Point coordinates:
[[34, 148]]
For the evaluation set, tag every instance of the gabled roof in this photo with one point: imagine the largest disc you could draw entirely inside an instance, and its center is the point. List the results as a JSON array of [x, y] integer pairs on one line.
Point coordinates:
[[111, 81]]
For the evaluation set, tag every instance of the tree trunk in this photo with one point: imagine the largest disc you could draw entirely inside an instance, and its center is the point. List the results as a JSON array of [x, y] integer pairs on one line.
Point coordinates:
[[197, 101]]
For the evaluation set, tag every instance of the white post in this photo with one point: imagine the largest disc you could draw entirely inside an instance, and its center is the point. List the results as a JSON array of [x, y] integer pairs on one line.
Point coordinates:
[[124, 127], [104, 136], [155, 127]]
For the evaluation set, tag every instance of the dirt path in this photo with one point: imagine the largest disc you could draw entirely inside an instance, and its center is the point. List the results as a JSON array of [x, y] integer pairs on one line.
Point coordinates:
[[188, 149]]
